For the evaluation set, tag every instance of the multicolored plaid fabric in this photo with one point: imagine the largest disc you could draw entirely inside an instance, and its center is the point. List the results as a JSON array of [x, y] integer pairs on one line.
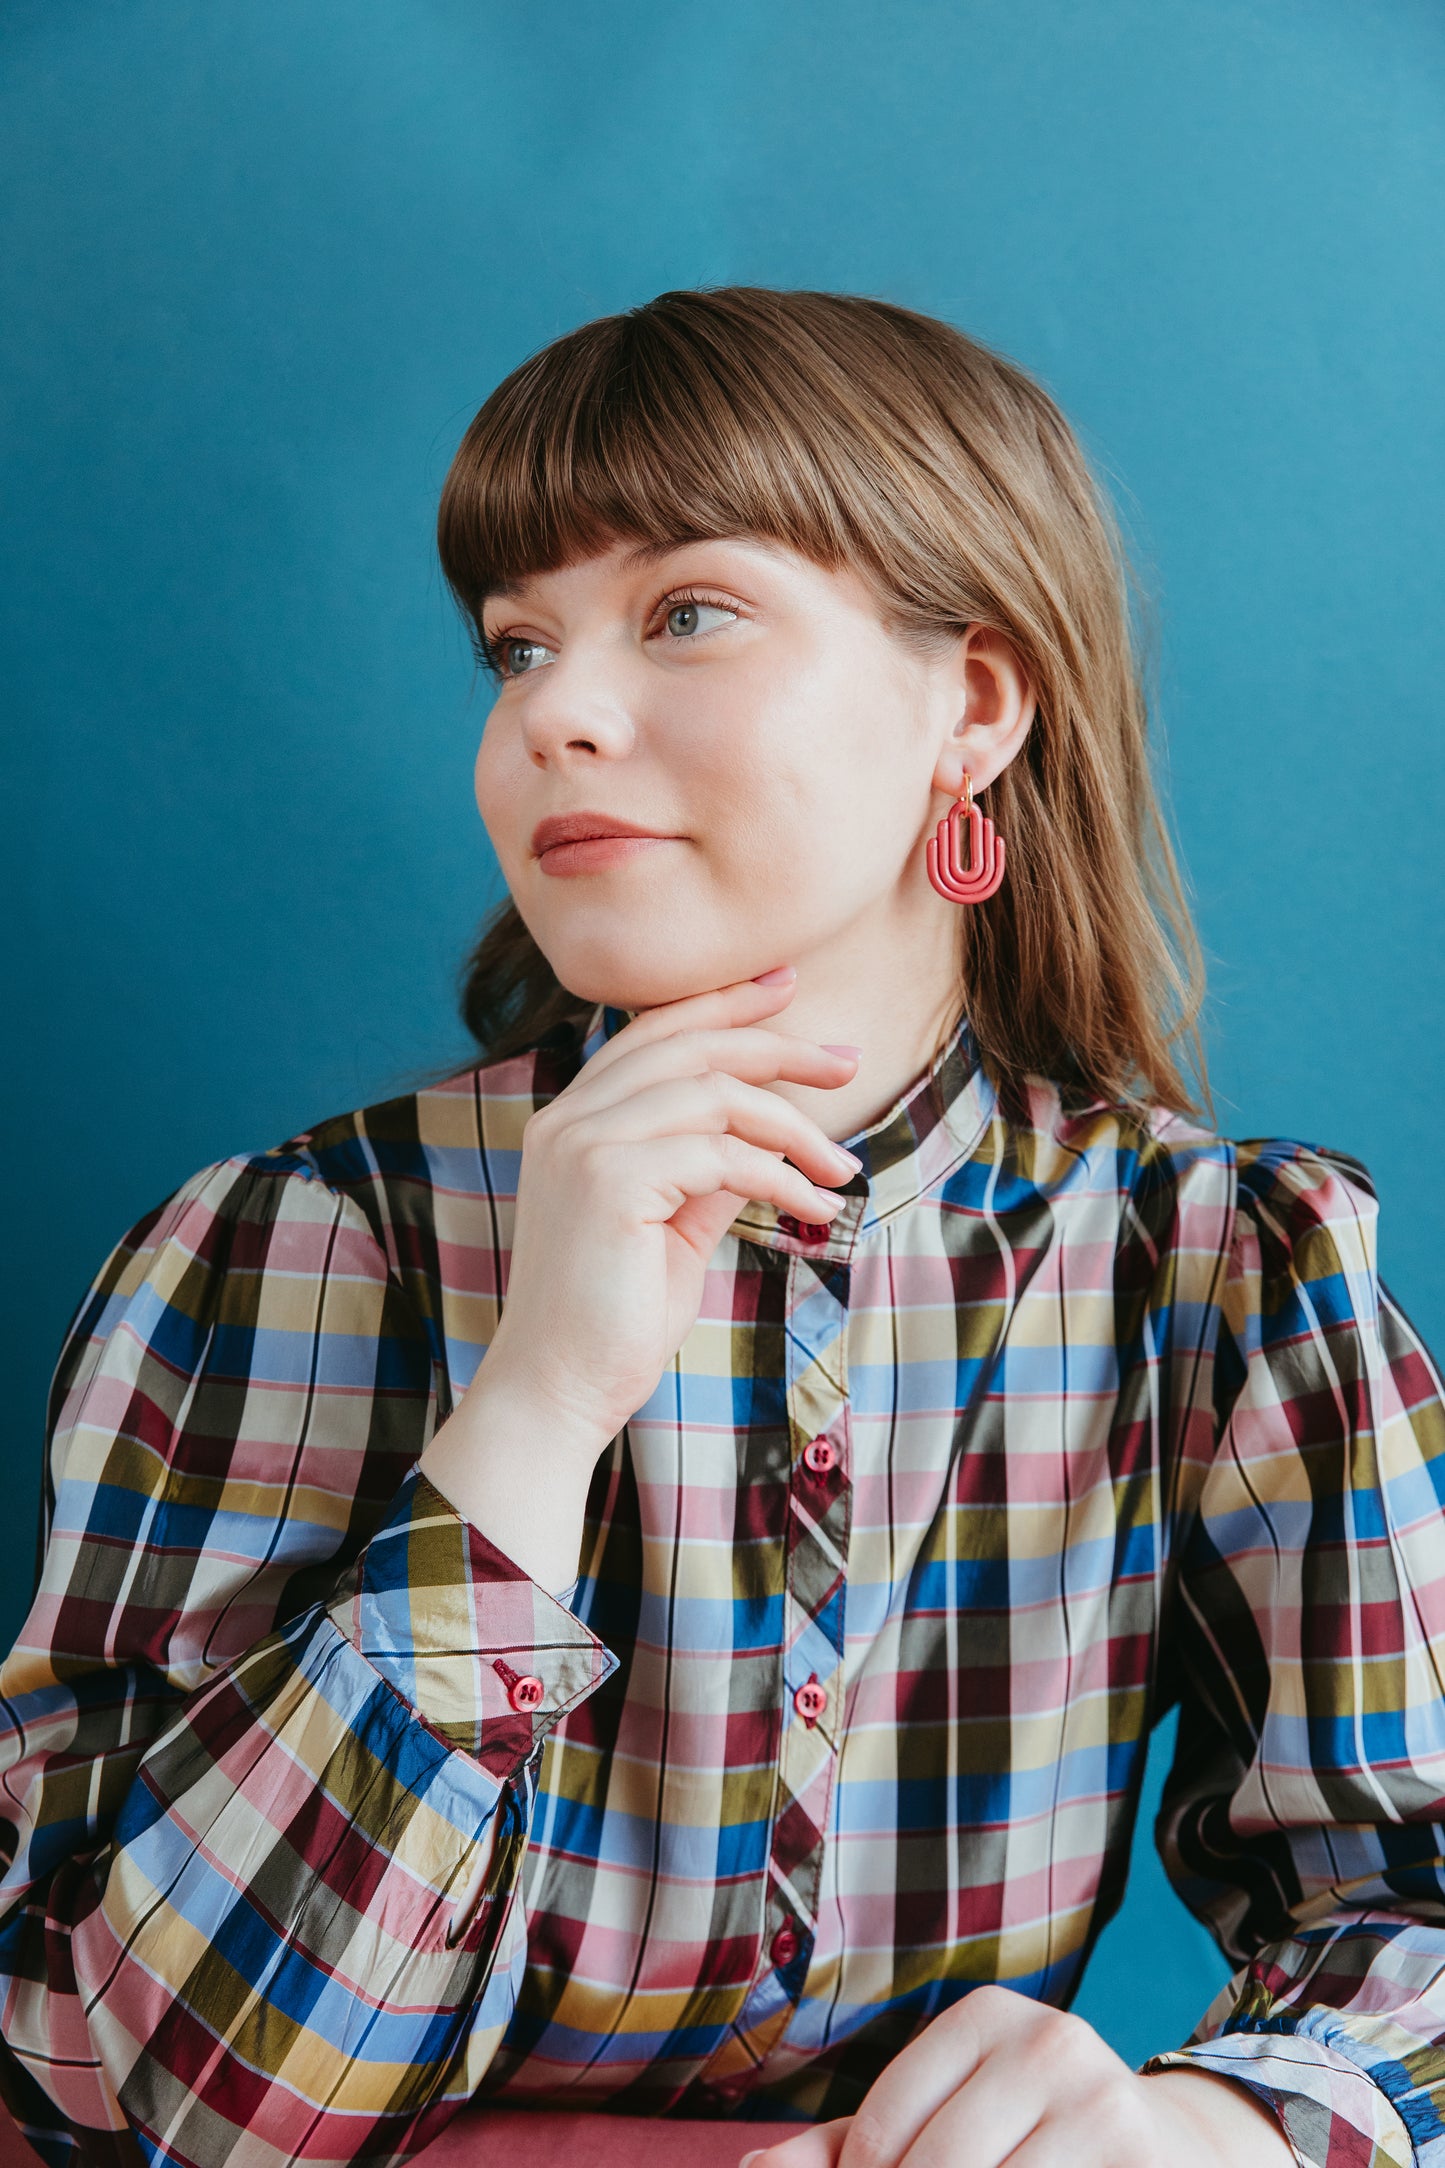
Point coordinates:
[[1120, 1416]]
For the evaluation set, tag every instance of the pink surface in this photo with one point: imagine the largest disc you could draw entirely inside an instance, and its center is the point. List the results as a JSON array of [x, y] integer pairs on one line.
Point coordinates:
[[540, 2138], [524, 2138]]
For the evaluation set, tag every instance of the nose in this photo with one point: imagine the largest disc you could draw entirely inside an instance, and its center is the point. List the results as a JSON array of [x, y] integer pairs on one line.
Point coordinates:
[[576, 708]]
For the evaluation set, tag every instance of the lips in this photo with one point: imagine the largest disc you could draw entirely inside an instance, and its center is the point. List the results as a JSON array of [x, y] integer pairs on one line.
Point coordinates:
[[581, 827]]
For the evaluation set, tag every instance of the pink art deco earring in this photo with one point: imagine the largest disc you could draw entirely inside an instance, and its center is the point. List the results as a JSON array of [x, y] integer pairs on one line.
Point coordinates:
[[983, 874]]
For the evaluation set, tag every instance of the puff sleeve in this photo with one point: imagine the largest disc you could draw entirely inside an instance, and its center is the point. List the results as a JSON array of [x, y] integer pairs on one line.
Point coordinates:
[[266, 1788], [1302, 1820]]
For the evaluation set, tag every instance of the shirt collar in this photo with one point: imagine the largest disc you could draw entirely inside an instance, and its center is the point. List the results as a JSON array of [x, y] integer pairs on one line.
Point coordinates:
[[932, 1126]]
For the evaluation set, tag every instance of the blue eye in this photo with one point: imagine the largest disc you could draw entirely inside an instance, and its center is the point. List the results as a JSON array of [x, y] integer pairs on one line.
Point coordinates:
[[687, 618], [519, 658]]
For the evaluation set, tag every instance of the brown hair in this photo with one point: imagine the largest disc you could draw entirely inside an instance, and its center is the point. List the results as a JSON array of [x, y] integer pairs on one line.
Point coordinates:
[[864, 434]]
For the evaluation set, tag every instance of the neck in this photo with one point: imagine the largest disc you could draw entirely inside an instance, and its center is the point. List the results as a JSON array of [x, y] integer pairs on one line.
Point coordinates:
[[900, 1017]]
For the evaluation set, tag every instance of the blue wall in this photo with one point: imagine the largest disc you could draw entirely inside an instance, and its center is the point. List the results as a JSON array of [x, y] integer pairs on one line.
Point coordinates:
[[263, 263]]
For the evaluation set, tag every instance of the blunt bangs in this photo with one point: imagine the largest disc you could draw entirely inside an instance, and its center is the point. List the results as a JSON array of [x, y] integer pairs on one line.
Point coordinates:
[[682, 420]]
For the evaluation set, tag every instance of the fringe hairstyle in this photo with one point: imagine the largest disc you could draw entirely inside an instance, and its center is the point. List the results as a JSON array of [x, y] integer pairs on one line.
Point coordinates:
[[867, 435]]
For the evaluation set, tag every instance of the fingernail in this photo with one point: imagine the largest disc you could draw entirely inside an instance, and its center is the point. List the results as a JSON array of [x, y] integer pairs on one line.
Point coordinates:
[[843, 1153], [776, 976], [829, 1048], [750, 2157]]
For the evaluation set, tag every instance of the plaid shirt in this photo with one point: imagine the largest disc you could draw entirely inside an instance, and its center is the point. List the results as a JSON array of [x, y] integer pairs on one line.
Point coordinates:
[[1065, 1419]]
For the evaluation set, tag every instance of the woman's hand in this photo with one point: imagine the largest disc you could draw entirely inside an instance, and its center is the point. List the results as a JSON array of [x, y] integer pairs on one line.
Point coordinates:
[[630, 1178], [999, 2078]]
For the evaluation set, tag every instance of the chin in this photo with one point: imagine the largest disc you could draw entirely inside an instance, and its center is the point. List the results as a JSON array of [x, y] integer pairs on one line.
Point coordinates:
[[644, 986], [638, 959]]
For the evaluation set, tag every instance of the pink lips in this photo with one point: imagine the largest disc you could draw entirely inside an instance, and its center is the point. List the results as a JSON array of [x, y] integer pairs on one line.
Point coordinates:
[[583, 842], [590, 853]]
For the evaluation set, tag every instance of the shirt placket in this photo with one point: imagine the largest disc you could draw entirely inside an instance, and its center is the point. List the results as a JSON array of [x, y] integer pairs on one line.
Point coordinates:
[[812, 1681]]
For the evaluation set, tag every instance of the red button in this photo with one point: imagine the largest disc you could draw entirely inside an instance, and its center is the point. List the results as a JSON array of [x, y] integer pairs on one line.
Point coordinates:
[[786, 1945], [819, 1456], [807, 1230], [526, 1693], [810, 1701]]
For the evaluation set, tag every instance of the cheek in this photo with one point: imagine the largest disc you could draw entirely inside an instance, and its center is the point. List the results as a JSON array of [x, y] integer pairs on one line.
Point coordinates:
[[491, 789], [774, 732], [797, 745]]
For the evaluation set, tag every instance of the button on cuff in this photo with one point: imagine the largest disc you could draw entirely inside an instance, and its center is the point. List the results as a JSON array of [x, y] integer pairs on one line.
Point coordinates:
[[436, 1610], [524, 1690]]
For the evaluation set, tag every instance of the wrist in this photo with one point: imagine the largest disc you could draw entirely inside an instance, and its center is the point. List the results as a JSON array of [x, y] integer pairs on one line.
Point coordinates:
[[504, 1411], [520, 1473], [506, 1395], [1220, 2120]]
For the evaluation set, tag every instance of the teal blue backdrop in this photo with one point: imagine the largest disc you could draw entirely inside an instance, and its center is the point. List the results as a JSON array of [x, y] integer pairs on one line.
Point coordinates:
[[263, 262]]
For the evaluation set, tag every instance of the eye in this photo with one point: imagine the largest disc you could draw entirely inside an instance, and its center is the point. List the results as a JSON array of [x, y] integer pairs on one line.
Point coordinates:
[[517, 658], [689, 616]]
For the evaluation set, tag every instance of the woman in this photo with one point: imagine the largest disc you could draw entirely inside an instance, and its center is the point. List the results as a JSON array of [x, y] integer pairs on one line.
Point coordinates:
[[730, 1696]]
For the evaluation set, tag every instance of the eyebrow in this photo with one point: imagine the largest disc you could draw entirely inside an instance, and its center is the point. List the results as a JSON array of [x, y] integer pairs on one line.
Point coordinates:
[[640, 555]]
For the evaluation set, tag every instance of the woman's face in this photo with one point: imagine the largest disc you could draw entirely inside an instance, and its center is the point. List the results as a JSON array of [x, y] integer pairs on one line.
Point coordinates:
[[753, 712]]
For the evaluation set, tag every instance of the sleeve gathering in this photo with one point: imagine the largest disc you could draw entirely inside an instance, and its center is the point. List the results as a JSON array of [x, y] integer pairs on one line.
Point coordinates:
[[1302, 1820], [266, 1789]]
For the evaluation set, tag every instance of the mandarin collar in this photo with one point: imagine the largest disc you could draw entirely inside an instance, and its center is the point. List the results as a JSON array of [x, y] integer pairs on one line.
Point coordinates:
[[933, 1125]]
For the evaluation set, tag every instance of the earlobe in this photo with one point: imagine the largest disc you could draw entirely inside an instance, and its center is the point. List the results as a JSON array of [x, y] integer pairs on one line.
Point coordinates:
[[997, 712]]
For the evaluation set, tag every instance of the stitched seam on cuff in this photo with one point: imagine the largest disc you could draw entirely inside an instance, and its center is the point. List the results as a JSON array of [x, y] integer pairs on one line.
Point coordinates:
[[419, 1716], [1415, 2108]]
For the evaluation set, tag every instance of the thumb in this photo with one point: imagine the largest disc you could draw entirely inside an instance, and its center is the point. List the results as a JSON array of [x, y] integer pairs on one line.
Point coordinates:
[[701, 1222]]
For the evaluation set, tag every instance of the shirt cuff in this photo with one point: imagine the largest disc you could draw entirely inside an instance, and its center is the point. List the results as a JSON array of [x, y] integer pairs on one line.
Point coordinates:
[[1330, 2108], [484, 1655]]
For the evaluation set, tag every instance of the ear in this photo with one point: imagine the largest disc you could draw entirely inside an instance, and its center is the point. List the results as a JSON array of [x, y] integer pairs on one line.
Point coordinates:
[[989, 703]]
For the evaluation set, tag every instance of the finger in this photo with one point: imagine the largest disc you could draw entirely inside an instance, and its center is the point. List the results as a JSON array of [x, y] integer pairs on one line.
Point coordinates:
[[703, 1221], [723, 1006], [696, 1166], [752, 1053], [1050, 2146], [984, 2119], [911, 2089], [817, 2147], [1043, 2080], [713, 1105]]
